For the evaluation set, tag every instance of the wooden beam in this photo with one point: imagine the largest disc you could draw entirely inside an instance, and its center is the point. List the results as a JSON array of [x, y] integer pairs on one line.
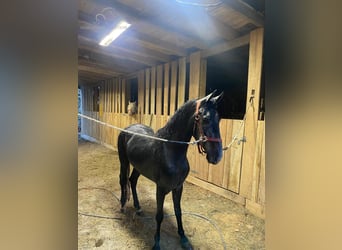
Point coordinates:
[[159, 101], [255, 17], [121, 43], [116, 52], [140, 50], [197, 76], [181, 81], [148, 23], [136, 36], [173, 87], [207, 32], [252, 111], [141, 91], [147, 87], [166, 88], [157, 44], [153, 90], [123, 66], [218, 190], [223, 47], [99, 65], [97, 70]]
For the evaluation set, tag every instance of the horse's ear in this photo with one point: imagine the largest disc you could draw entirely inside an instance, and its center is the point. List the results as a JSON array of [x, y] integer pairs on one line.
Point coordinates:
[[208, 97], [218, 98]]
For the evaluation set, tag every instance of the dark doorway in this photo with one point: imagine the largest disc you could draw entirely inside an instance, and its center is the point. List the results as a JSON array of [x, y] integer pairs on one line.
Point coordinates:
[[228, 72]]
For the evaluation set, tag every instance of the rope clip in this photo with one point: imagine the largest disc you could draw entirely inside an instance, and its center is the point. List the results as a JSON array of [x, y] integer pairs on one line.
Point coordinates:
[[243, 139]]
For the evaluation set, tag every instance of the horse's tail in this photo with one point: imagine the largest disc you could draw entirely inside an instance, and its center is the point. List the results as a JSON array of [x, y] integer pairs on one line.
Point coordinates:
[[124, 170]]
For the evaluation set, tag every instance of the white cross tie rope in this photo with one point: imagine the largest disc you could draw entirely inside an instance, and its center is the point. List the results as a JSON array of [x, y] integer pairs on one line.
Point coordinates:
[[138, 134], [235, 137]]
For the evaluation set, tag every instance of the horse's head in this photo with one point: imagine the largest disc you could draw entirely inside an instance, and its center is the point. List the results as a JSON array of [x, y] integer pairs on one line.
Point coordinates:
[[207, 128]]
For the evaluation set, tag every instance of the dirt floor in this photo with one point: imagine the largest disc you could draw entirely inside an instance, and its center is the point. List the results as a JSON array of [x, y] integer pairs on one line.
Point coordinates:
[[210, 221]]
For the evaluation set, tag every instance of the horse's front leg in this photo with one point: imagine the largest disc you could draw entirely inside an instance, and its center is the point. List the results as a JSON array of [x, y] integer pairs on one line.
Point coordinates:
[[176, 197], [159, 216]]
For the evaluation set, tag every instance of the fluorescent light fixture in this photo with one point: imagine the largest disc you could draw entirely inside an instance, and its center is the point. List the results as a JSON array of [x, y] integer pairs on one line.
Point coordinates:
[[115, 33]]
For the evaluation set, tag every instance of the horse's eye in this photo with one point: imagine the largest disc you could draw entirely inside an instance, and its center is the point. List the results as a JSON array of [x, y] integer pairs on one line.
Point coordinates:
[[205, 119]]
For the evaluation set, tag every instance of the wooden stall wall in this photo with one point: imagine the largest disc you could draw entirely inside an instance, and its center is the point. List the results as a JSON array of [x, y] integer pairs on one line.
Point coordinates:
[[240, 175]]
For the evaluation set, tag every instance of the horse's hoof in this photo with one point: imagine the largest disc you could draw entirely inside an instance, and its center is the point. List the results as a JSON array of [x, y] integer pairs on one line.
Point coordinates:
[[185, 243], [123, 210], [156, 247], [139, 212]]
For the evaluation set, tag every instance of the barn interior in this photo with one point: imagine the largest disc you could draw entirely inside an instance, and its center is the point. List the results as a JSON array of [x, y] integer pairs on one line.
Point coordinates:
[[171, 52]]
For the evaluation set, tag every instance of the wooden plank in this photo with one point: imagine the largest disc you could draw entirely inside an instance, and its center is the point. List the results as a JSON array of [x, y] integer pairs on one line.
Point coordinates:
[[235, 158], [128, 92], [173, 87], [227, 135], [166, 88], [153, 90], [255, 208], [109, 94], [226, 46], [203, 166], [197, 79], [257, 161], [101, 100], [191, 155], [141, 93], [195, 63], [97, 70], [147, 96], [253, 89], [181, 81], [105, 95], [113, 94], [220, 191], [261, 194], [159, 100], [216, 172], [256, 18], [124, 97], [203, 77], [117, 95]]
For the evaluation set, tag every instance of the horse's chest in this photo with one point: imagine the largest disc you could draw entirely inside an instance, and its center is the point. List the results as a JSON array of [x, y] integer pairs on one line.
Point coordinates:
[[173, 174]]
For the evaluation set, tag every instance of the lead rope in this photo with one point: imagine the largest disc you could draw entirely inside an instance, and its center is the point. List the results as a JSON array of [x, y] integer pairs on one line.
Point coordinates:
[[138, 134], [235, 137]]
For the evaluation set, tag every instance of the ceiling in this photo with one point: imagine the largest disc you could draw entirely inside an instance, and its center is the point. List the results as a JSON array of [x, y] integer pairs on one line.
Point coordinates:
[[161, 31]]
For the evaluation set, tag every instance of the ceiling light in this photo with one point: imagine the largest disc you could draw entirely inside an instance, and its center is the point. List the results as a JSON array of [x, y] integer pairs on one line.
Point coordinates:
[[115, 33]]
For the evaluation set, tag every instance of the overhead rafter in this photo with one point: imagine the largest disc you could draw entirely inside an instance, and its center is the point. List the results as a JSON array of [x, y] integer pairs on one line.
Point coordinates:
[[255, 17], [137, 19], [135, 36], [223, 47], [117, 52], [97, 70]]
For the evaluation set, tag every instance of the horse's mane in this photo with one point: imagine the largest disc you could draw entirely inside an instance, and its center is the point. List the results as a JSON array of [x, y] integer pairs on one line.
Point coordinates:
[[183, 114]]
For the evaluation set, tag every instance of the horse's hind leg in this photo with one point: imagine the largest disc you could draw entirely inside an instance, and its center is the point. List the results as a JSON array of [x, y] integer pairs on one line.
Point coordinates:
[[176, 197], [124, 172], [133, 180]]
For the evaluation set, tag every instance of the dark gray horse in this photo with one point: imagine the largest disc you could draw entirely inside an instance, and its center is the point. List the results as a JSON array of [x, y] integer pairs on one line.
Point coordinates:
[[166, 163]]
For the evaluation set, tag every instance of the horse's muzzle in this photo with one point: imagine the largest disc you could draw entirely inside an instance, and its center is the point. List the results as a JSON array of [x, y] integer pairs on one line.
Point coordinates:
[[214, 159]]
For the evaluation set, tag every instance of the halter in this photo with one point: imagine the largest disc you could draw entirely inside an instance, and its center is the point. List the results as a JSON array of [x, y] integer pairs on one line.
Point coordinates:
[[202, 137]]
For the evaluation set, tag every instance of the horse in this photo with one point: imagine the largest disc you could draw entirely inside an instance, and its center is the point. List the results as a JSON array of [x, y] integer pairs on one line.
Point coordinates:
[[165, 163]]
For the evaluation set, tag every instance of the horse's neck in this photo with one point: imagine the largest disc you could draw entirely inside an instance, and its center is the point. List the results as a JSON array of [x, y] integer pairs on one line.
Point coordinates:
[[180, 125]]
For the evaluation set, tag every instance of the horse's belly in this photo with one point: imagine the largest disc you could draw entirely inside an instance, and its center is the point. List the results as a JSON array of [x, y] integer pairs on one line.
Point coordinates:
[[143, 160]]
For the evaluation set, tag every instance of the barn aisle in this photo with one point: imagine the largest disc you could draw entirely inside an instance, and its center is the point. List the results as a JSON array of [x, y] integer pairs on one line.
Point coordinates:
[[210, 221]]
